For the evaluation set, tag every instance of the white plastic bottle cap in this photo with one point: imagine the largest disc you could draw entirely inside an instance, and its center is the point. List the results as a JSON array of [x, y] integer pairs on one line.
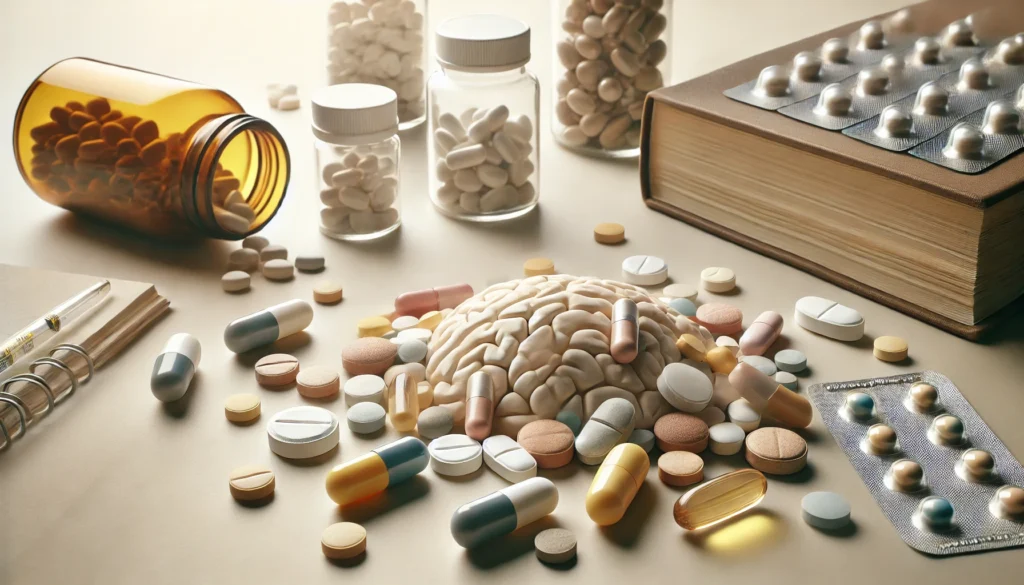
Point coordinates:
[[355, 113], [483, 42]]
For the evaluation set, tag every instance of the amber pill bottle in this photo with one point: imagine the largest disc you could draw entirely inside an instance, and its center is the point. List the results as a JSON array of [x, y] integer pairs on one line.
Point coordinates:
[[164, 157]]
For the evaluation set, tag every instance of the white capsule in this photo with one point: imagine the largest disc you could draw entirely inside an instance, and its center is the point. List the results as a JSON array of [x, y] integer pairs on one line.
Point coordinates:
[[932, 99], [520, 172], [965, 142], [835, 100], [773, 81], [1001, 118], [174, 367], [973, 75], [807, 66], [507, 147], [503, 511], [872, 81], [267, 326]]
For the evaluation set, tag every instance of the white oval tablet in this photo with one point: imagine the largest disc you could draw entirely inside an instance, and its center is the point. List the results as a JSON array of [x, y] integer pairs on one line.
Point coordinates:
[[610, 425], [717, 279], [364, 388], [411, 351], [404, 322], [726, 438], [761, 363], [235, 281], [414, 333], [302, 432], [455, 455], [744, 415], [366, 417], [686, 388], [644, 270], [829, 318], [825, 510], [505, 457]]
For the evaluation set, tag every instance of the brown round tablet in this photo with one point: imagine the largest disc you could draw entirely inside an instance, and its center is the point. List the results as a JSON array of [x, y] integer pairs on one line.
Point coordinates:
[[555, 545], [277, 369], [318, 382], [776, 451], [680, 468], [242, 408], [681, 432], [549, 441], [609, 233], [344, 540], [251, 482], [368, 355]]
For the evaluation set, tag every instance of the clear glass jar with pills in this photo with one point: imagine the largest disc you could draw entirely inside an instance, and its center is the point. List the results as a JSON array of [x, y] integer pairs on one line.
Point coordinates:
[[484, 107], [381, 42], [608, 54], [357, 156], [161, 156]]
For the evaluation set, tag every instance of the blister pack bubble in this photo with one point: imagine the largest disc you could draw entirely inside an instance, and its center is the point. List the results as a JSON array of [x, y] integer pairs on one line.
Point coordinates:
[[975, 526], [981, 139]]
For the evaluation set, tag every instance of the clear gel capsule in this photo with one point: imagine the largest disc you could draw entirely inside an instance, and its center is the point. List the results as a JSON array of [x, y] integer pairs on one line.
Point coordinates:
[[403, 402], [960, 34], [175, 367], [268, 325], [376, 471], [720, 499], [1010, 51], [835, 51], [872, 36], [503, 511]]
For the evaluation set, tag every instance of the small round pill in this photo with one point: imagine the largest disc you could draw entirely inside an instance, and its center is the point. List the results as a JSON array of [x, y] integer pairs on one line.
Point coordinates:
[[244, 259], [642, 437], [251, 483], [773, 81], [791, 360], [538, 266], [743, 414], [835, 51], [364, 388], [278, 269], [905, 475], [680, 291], [717, 279], [255, 243], [680, 468], [835, 100], [1008, 502], [414, 333], [555, 546], [683, 307], [369, 355], [309, 263], [889, 348], [825, 510], [1001, 118], [860, 405], [935, 513], [609, 233], [235, 281], [761, 363], [344, 540], [711, 415], [278, 369], [959, 34], [872, 36], [946, 429], [720, 319], [965, 141], [412, 351], [894, 122], [927, 50], [923, 396], [807, 66], [1010, 52], [976, 465], [873, 81], [974, 75], [932, 99], [435, 422], [787, 379], [404, 322], [375, 326], [881, 439], [366, 418], [327, 293], [893, 64], [242, 408], [726, 438], [318, 382]]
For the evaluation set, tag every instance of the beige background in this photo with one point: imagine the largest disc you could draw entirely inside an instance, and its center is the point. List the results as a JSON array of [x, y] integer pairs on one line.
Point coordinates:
[[114, 488]]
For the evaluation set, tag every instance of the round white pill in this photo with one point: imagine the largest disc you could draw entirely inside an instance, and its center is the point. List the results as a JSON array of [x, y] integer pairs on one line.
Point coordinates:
[[761, 363], [825, 510], [644, 270], [414, 333], [787, 379], [366, 417], [686, 388], [404, 322], [235, 281], [412, 351], [278, 269], [642, 437], [455, 455], [726, 438], [364, 388], [717, 279], [791, 360], [680, 291], [302, 432], [744, 415]]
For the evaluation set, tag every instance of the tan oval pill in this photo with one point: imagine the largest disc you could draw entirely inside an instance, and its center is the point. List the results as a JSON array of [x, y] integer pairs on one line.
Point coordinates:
[[344, 540], [776, 451], [251, 483], [680, 468], [318, 382], [242, 408], [279, 369], [327, 293], [278, 269], [369, 355], [609, 233], [538, 266], [889, 348]]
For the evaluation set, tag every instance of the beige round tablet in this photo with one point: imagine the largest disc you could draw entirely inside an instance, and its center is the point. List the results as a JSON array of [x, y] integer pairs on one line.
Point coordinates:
[[609, 233], [344, 540], [776, 451], [538, 266], [277, 369], [278, 269], [251, 483], [318, 382], [680, 291], [242, 408], [889, 348], [717, 279], [235, 281], [680, 468], [555, 545], [327, 293]]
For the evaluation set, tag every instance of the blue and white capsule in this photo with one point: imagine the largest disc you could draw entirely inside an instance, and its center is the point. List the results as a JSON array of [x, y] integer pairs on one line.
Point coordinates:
[[175, 367], [268, 325], [503, 511]]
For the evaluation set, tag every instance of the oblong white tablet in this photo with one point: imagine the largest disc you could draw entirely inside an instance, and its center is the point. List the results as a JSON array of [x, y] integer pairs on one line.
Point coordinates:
[[455, 455], [505, 457], [364, 388], [366, 417], [610, 425], [302, 432], [829, 318], [644, 270], [726, 438], [686, 388]]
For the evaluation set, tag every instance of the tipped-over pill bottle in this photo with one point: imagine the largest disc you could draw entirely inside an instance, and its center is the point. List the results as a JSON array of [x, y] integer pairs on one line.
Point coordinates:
[[357, 150], [483, 147], [381, 42], [162, 156], [607, 56]]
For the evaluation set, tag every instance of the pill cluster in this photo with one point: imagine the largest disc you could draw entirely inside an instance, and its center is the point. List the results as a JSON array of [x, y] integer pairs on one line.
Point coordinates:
[[283, 96], [380, 42], [360, 195], [485, 162], [611, 56], [271, 260]]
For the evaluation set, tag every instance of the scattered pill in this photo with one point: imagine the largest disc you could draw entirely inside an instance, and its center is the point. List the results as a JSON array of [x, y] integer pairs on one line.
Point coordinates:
[[701, 367], [681, 432], [434, 422], [829, 318], [787, 379], [880, 440], [244, 259], [888, 348], [343, 540], [616, 483], [369, 355], [414, 334], [680, 468], [644, 270], [717, 279], [825, 510], [904, 475], [680, 291], [625, 332], [610, 425], [235, 281], [403, 402], [684, 307], [761, 363], [289, 102], [278, 270], [946, 429], [251, 483], [267, 326], [255, 243], [726, 438], [418, 303], [642, 437], [555, 546], [975, 465], [722, 360], [508, 459], [327, 292], [550, 442], [429, 321], [761, 334], [684, 387], [922, 397], [309, 263], [771, 398], [720, 499], [242, 408], [278, 369], [791, 360], [479, 406], [276, 91], [365, 418], [571, 420], [411, 351], [381, 468], [744, 415], [318, 382], [720, 318], [776, 451], [273, 252], [404, 322], [692, 347], [609, 233], [375, 326], [934, 513], [302, 432], [538, 266], [175, 367], [503, 511], [1008, 503]]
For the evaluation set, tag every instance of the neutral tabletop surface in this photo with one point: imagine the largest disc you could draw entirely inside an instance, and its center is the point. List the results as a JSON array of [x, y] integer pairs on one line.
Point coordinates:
[[115, 488]]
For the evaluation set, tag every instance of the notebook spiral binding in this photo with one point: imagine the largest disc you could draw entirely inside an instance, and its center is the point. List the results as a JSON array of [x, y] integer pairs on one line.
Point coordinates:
[[25, 415]]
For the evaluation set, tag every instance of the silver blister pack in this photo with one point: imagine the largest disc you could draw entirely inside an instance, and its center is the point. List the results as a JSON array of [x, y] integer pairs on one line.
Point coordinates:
[[928, 479], [980, 140]]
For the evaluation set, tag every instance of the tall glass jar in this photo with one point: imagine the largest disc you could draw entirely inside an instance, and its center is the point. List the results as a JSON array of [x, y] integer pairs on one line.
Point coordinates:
[[381, 42], [608, 55], [484, 108], [162, 156], [357, 156]]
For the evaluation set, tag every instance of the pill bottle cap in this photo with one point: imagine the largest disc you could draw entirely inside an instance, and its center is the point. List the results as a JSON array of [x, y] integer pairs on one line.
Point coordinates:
[[483, 42], [355, 113]]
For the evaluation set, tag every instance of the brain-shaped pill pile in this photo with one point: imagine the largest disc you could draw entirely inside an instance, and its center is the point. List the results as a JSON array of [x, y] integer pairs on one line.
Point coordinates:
[[545, 342]]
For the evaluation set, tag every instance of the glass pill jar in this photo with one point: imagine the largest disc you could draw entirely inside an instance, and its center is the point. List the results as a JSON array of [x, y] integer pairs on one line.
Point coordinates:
[[484, 107], [162, 156], [608, 55], [381, 42], [357, 156]]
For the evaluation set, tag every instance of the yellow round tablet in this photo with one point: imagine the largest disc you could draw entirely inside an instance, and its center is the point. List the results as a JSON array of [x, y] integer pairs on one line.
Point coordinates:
[[344, 540], [375, 326], [889, 348], [609, 233], [327, 293], [538, 266], [242, 408]]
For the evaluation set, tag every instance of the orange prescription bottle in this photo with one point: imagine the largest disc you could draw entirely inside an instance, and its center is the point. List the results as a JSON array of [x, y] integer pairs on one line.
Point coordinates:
[[161, 156]]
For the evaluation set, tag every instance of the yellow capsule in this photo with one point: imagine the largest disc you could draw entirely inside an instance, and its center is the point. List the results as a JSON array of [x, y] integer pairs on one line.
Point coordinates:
[[720, 499], [616, 483], [692, 347], [403, 402], [721, 360]]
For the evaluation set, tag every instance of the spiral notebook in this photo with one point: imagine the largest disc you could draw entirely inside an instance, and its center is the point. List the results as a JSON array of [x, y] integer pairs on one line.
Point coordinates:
[[53, 372]]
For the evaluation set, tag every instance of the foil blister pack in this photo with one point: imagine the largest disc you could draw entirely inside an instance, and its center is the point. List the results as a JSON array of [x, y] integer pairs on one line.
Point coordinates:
[[938, 472], [981, 139]]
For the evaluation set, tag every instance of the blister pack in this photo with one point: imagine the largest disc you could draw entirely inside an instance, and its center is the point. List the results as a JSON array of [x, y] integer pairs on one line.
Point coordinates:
[[980, 140], [938, 472]]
